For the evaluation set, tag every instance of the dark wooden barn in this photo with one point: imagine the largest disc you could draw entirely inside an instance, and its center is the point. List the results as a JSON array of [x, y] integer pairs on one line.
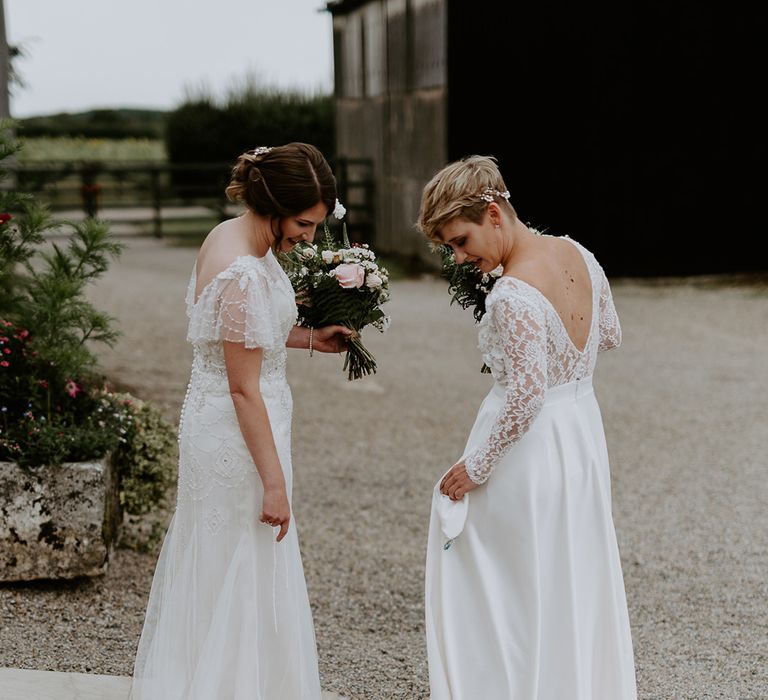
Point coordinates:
[[637, 128]]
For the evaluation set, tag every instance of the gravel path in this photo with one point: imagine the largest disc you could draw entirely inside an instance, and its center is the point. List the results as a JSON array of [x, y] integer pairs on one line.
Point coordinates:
[[686, 423]]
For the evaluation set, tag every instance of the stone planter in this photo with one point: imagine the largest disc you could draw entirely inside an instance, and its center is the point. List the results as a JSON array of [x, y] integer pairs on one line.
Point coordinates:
[[57, 522]]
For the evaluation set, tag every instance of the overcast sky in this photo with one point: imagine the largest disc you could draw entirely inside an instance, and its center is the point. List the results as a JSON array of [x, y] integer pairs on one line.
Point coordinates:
[[144, 53]]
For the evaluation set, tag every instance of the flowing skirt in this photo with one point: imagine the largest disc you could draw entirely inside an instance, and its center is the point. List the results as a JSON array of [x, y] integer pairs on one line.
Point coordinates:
[[228, 615], [527, 602]]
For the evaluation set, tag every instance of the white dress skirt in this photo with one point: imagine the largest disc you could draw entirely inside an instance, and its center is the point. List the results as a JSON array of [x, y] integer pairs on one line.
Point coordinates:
[[527, 602], [228, 616], [524, 593]]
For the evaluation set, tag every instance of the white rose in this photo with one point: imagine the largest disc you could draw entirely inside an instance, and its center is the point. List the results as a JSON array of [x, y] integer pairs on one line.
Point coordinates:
[[327, 256], [307, 253], [373, 281]]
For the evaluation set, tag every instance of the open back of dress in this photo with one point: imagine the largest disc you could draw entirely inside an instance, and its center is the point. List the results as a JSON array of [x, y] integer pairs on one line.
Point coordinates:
[[526, 600]]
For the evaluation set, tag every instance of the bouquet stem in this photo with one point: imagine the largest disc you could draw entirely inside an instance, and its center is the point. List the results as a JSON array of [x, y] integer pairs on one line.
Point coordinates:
[[358, 361]]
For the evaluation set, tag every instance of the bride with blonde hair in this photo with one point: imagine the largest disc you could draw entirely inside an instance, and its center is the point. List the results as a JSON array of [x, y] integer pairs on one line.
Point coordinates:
[[524, 590]]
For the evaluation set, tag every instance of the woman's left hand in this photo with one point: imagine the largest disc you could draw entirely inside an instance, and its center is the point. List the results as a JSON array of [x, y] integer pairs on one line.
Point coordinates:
[[456, 482], [331, 338]]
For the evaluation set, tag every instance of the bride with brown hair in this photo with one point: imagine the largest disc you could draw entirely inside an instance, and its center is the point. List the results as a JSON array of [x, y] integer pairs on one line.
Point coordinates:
[[228, 615], [524, 590]]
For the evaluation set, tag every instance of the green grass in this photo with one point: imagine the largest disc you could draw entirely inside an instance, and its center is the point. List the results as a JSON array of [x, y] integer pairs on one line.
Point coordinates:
[[45, 149]]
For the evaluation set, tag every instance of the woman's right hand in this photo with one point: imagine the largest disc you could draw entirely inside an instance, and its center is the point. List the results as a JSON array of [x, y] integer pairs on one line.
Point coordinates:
[[276, 511]]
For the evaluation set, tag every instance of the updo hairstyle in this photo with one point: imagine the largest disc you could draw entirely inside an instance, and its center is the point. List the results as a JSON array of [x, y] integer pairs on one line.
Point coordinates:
[[462, 189], [283, 180]]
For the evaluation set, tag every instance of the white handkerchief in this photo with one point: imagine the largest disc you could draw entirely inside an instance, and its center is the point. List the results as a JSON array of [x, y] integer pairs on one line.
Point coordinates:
[[452, 514]]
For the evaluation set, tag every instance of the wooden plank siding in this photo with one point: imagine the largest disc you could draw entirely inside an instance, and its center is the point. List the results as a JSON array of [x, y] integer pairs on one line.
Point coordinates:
[[636, 129]]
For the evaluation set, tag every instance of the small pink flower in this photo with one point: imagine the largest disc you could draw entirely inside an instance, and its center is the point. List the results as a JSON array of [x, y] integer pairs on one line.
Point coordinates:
[[72, 389], [7, 351], [23, 334], [350, 275], [5, 363]]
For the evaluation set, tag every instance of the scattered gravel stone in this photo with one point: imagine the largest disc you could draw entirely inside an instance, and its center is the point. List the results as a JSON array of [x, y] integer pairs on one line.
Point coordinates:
[[685, 410]]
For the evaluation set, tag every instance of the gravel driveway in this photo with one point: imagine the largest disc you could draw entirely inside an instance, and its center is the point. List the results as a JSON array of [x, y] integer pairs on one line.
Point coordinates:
[[686, 413]]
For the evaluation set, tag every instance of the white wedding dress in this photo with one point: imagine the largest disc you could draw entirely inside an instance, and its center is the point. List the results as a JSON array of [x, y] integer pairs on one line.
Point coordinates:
[[228, 615], [524, 589]]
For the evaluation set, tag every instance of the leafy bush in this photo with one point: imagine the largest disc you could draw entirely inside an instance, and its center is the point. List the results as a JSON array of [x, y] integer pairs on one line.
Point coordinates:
[[205, 130], [97, 123], [46, 416], [54, 405], [146, 458]]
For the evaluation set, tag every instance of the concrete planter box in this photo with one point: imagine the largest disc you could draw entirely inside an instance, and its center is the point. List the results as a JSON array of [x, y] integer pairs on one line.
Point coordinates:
[[57, 522]]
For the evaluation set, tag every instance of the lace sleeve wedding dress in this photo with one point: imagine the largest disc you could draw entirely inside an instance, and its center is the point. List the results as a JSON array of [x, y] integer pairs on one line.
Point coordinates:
[[228, 615], [524, 589]]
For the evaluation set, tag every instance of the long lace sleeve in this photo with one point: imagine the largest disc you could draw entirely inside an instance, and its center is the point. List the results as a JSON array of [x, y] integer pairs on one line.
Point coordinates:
[[520, 331], [610, 329]]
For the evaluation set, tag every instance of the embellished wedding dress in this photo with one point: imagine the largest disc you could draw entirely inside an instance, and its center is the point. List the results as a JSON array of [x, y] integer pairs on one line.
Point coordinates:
[[524, 589], [228, 615]]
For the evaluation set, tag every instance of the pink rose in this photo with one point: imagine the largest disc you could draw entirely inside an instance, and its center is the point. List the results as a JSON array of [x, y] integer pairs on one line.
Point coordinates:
[[350, 275], [72, 389]]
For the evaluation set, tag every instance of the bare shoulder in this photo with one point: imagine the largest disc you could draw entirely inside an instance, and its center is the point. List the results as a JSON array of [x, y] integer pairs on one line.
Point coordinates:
[[225, 242], [553, 264]]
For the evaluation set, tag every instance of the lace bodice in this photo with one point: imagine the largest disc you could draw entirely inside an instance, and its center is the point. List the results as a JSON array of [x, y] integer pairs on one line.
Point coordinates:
[[528, 349]]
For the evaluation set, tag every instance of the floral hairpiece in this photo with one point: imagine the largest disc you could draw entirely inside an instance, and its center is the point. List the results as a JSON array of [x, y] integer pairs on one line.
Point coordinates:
[[489, 194], [339, 210], [261, 150]]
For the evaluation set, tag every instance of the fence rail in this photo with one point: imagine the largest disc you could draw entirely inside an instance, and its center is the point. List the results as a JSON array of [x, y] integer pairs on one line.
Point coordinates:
[[95, 188]]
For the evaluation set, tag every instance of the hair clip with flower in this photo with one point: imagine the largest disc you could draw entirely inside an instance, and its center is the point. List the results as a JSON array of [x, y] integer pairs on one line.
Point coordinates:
[[261, 150], [489, 194], [339, 210]]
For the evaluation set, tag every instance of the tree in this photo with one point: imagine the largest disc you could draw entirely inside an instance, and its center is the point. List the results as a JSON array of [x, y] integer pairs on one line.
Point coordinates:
[[5, 68]]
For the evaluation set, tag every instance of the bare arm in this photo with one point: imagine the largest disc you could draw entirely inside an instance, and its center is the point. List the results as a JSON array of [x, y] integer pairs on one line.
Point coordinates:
[[325, 339], [243, 372]]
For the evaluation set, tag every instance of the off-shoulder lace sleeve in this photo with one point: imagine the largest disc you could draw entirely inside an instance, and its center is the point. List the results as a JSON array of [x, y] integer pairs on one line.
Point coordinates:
[[236, 306], [520, 328], [610, 329]]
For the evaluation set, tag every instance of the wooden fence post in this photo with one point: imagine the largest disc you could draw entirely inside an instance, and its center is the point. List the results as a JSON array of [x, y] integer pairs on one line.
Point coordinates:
[[89, 191], [157, 202]]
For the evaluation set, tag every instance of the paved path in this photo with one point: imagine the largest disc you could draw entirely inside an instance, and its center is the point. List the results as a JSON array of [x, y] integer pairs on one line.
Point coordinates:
[[21, 684]]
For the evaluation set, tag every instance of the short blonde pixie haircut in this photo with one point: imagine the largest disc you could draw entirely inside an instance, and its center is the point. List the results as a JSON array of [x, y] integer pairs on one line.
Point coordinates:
[[456, 192]]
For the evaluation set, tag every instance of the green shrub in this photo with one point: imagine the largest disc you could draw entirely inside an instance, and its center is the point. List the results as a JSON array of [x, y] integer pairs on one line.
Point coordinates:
[[146, 458], [54, 405], [97, 123], [204, 130]]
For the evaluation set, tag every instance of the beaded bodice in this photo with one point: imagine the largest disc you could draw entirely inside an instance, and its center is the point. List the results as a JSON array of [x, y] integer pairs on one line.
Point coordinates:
[[252, 302]]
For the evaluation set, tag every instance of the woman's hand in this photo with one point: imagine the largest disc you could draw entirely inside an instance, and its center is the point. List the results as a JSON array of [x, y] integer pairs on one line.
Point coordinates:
[[276, 511], [457, 482], [331, 338]]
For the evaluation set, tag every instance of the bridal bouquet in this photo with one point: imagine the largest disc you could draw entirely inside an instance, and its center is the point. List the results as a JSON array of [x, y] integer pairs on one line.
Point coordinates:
[[467, 285], [340, 284]]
